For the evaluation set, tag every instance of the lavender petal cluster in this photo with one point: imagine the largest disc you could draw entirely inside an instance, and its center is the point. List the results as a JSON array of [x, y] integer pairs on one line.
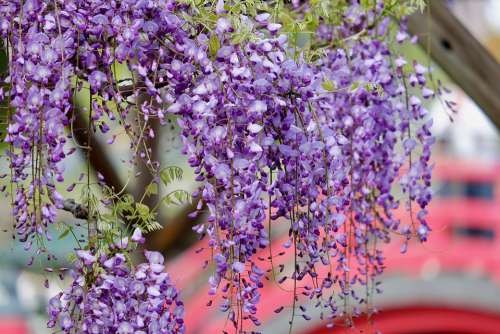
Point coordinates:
[[109, 295], [60, 47], [321, 145], [316, 145], [40, 69]]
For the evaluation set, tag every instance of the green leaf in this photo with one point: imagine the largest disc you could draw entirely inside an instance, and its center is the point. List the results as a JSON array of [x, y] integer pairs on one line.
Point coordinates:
[[104, 226], [151, 189], [150, 226], [64, 233], [177, 197], [213, 45], [418, 4], [181, 196], [142, 210], [328, 85], [170, 174], [108, 217], [238, 38], [354, 86], [72, 257]]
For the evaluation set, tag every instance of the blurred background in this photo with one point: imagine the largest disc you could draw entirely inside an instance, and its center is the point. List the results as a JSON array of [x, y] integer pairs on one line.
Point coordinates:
[[451, 284]]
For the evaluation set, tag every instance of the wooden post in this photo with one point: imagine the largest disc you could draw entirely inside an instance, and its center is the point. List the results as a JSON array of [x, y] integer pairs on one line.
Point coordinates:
[[460, 55]]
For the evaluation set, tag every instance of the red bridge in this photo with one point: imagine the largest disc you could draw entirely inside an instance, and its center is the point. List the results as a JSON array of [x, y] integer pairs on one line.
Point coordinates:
[[451, 284]]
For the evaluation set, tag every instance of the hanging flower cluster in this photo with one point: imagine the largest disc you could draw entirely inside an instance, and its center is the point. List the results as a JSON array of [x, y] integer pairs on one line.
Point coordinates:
[[42, 47], [226, 139], [56, 49], [318, 139], [51, 43], [321, 144], [108, 296]]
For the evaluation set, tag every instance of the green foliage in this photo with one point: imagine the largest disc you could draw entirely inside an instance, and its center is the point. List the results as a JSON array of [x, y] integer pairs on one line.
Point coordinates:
[[400, 8], [131, 212], [170, 174], [213, 45], [151, 189], [300, 26], [64, 233], [177, 197], [72, 257], [328, 85], [145, 218], [125, 211], [417, 5], [375, 87]]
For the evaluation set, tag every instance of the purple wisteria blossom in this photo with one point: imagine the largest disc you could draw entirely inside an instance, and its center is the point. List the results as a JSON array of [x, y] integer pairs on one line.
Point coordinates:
[[40, 73], [109, 295], [316, 142]]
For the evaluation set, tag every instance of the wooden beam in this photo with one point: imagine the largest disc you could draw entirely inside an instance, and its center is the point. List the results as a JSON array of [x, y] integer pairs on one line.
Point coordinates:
[[460, 55]]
